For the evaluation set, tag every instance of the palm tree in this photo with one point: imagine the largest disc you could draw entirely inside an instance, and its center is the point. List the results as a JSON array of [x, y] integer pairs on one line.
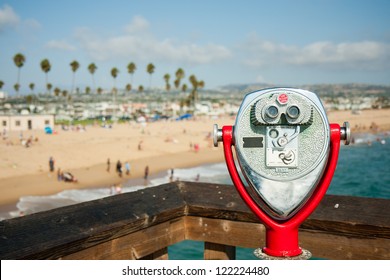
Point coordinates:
[[19, 61], [141, 88], [176, 83], [31, 86], [1, 84], [45, 66], [114, 74], [87, 90], [193, 81], [150, 69], [184, 88], [99, 90], [16, 87], [128, 88], [195, 85], [29, 99], [166, 78], [74, 65], [131, 67], [179, 75], [57, 91], [92, 68], [49, 86], [65, 95]]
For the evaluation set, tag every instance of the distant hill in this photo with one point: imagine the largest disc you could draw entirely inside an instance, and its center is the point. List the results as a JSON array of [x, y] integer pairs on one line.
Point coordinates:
[[352, 89]]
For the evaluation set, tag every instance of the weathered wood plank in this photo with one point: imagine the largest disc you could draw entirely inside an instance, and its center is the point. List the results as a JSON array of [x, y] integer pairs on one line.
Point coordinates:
[[63, 231], [340, 247], [352, 216], [233, 233], [146, 243], [216, 201]]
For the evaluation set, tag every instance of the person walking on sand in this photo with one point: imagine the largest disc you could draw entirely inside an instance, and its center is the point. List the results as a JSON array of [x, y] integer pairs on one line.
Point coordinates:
[[171, 176], [127, 166], [146, 174], [108, 165], [140, 145], [51, 164], [119, 168], [59, 175]]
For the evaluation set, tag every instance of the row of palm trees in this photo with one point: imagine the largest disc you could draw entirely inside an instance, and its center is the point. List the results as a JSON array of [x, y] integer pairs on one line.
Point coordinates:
[[19, 61]]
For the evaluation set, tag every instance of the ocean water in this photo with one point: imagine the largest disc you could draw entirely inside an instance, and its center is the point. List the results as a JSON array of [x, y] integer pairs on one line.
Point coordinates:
[[363, 170]]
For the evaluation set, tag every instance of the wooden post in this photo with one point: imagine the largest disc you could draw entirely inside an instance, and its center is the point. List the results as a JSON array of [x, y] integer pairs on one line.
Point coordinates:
[[158, 255], [215, 251]]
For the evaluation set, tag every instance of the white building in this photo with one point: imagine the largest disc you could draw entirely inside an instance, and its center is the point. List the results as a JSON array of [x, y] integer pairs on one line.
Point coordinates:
[[25, 122], [3, 95]]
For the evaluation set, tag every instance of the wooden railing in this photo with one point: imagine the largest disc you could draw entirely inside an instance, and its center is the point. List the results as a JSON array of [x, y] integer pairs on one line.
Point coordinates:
[[142, 224]]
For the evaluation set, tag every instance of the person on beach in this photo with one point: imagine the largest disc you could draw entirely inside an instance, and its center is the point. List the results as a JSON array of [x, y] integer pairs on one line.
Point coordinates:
[[68, 177], [171, 176], [108, 165], [140, 145], [119, 168], [59, 175], [127, 167], [51, 164], [196, 148], [146, 174]]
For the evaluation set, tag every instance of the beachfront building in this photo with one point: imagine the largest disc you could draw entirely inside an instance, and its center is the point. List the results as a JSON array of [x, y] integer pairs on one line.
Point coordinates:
[[3, 95], [25, 122]]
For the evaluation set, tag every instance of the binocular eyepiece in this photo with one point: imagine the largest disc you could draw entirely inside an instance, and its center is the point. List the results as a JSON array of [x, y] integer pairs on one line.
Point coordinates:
[[282, 108]]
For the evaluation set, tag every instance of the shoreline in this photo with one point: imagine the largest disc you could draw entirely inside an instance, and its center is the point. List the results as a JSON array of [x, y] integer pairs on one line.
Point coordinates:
[[100, 178], [166, 145]]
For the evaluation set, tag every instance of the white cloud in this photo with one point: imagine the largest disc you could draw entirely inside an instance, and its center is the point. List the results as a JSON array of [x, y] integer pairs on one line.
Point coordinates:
[[8, 17], [137, 42], [137, 24], [60, 45], [367, 55], [31, 24]]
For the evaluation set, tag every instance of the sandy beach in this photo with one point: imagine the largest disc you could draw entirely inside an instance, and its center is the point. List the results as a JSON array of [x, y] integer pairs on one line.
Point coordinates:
[[160, 145]]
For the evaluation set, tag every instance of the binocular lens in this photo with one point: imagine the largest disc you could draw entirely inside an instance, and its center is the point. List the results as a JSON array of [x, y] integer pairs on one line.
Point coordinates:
[[293, 112], [272, 111]]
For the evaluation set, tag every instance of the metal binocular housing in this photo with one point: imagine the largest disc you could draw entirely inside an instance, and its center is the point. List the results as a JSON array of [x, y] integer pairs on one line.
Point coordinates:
[[281, 138], [287, 152]]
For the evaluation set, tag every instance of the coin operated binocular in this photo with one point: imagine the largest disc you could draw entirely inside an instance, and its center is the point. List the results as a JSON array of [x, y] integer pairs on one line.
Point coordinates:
[[287, 152]]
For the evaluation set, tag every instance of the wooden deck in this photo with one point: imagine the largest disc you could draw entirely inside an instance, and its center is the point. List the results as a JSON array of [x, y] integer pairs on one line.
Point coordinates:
[[142, 224]]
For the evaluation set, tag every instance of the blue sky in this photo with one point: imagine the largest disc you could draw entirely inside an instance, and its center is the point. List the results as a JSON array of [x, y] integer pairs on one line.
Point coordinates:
[[220, 41]]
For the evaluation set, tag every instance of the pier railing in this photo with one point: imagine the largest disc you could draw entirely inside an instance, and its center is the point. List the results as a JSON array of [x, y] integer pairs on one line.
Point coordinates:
[[142, 224]]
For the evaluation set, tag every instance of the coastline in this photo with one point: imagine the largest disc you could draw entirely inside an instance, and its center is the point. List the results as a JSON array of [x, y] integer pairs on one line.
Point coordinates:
[[166, 145], [96, 176]]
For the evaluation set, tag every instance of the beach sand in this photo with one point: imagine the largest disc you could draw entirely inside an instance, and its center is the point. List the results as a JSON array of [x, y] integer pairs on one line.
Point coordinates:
[[165, 145]]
